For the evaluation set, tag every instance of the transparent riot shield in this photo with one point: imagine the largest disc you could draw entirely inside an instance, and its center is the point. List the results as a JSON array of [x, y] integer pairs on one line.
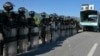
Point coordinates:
[[58, 30], [10, 47], [62, 31], [74, 29], [53, 31], [70, 30], [1, 44], [34, 39], [23, 39], [48, 33], [66, 30]]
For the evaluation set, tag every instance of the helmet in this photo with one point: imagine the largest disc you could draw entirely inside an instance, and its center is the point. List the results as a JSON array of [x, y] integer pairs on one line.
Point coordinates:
[[55, 15], [21, 10], [8, 6], [43, 14], [61, 17], [51, 15], [31, 13]]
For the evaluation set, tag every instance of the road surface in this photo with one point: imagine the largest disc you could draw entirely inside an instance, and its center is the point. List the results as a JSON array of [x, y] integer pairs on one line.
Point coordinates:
[[81, 44]]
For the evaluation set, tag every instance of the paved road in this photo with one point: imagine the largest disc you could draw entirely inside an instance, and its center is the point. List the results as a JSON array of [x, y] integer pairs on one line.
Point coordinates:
[[82, 44]]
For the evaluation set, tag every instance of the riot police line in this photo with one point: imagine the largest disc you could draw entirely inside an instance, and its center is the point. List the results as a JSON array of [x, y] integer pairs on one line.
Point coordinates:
[[20, 34]]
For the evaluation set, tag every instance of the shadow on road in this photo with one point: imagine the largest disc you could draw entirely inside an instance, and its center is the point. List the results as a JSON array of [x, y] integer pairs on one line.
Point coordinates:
[[47, 47]]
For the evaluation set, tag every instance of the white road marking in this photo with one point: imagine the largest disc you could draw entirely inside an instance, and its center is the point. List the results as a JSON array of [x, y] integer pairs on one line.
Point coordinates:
[[93, 49]]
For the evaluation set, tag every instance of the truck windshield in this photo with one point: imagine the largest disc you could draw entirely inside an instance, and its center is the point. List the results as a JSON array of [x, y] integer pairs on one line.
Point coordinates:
[[92, 18], [89, 16]]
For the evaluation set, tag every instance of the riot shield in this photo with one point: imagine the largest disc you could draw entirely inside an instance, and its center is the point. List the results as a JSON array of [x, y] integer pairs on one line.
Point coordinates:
[[67, 31], [10, 45], [23, 39], [58, 29], [1, 44], [74, 29], [62, 31], [48, 33], [34, 39], [70, 30]]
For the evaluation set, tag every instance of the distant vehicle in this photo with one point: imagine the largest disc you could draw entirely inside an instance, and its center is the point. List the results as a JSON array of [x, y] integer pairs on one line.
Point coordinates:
[[90, 20]]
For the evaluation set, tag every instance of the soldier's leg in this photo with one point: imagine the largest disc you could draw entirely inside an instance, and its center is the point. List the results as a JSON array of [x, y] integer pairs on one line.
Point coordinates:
[[43, 36]]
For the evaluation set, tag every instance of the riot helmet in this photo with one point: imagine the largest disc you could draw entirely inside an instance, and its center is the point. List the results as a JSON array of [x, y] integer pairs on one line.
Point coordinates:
[[21, 10], [61, 17], [55, 15], [51, 16], [8, 6], [43, 14], [32, 13]]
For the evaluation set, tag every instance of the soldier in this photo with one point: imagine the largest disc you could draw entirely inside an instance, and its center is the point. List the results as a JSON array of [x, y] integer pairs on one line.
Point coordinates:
[[77, 26], [71, 26], [48, 30], [22, 30], [1, 37], [52, 26], [55, 19], [74, 26], [67, 26], [9, 30], [33, 31], [56, 25], [43, 27], [59, 25], [62, 25]]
